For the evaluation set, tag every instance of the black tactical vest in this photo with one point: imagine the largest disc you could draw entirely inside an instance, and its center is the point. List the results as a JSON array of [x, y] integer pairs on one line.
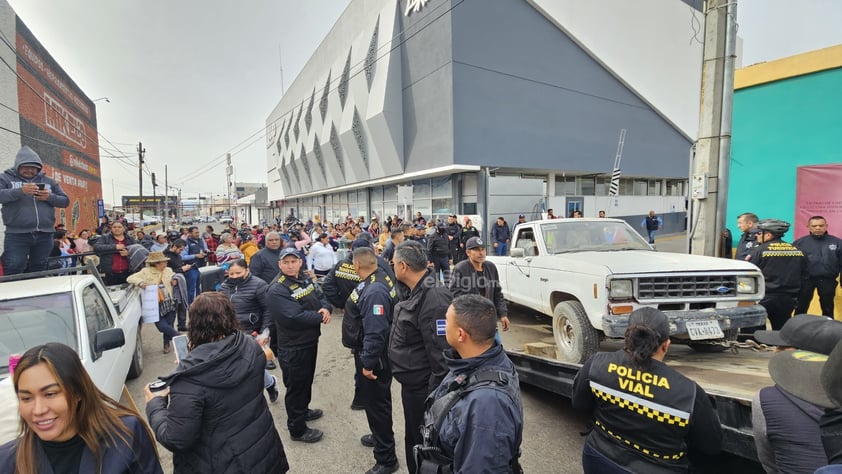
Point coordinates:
[[641, 413], [352, 321]]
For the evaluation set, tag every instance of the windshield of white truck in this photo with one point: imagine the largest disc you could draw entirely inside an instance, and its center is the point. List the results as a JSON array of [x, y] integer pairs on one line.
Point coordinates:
[[576, 235], [28, 322]]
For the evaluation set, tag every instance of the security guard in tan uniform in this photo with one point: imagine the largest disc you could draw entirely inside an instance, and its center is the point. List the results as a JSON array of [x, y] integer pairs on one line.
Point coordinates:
[[647, 416]]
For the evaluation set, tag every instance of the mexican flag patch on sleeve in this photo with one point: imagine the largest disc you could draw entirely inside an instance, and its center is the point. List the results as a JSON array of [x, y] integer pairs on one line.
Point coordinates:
[[379, 310]]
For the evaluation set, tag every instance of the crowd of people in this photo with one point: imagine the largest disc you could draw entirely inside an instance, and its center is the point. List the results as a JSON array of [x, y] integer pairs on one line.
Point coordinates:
[[421, 305]]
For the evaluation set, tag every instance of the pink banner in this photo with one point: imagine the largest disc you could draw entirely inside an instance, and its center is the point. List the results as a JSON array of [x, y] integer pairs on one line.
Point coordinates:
[[818, 193]]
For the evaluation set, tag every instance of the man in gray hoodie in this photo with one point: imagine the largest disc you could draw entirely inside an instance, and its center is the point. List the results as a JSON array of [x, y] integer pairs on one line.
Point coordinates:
[[29, 200]]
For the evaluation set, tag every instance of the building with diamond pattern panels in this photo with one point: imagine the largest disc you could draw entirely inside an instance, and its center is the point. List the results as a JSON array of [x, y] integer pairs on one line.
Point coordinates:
[[490, 108]]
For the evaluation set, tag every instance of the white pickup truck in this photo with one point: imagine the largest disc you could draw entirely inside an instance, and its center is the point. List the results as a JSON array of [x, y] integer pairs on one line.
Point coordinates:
[[101, 323], [590, 274]]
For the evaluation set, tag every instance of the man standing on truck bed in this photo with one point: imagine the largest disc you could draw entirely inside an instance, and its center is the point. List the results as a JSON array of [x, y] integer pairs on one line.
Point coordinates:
[[29, 200]]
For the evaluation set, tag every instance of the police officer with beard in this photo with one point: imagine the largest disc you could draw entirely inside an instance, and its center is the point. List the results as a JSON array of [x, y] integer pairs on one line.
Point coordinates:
[[365, 330], [783, 267], [647, 416], [298, 308]]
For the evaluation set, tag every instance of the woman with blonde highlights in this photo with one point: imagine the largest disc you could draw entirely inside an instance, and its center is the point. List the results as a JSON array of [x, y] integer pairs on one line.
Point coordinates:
[[68, 425]]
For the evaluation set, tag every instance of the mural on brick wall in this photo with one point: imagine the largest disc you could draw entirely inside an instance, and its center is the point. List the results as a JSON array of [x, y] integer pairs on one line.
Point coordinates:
[[58, 121]]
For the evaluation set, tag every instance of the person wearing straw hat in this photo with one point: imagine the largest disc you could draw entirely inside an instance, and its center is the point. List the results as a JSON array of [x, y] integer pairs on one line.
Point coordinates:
[[786, 416], [158, 273]]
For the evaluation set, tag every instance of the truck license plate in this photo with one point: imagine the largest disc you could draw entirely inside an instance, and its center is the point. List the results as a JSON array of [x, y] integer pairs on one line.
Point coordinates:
[[698, 330]]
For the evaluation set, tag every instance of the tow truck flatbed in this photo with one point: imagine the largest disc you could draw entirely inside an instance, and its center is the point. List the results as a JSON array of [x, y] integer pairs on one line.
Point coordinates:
[[730, 379]]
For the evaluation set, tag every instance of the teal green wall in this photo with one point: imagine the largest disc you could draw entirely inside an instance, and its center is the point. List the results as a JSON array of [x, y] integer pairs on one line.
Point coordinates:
[[776, 128]]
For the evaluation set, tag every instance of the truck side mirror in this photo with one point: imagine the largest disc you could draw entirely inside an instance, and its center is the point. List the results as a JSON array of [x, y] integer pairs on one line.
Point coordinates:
[[516, 252], [108, 339]]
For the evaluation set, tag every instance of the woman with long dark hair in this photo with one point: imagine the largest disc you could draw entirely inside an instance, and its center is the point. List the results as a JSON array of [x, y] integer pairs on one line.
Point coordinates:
[[213, 415], [112, 249], [647, 417], [68, 425]]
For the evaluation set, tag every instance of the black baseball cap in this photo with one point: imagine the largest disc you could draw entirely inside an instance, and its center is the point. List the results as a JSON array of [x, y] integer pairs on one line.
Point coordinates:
[[653, 319], [286, 251], [474, 242]]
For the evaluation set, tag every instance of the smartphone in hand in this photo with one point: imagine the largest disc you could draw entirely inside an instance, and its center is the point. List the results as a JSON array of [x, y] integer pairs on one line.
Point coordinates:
[[40, 186], [180, 344]]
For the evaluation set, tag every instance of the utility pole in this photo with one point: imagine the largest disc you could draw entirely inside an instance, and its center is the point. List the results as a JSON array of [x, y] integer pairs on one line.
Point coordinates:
[[166, 212], [711, 164], [140, 153], [229, 171], [154, 193]]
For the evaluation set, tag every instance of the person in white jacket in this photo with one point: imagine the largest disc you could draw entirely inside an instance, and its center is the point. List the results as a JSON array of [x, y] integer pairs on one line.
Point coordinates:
[[322, 258]]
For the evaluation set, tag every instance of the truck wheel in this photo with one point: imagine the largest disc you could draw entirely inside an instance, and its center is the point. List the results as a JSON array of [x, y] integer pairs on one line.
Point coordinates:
[[730, 335], [136, 367], [575, 338]]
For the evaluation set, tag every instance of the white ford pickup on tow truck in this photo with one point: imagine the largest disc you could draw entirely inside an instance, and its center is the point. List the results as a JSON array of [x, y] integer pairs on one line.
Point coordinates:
[[590, 274]]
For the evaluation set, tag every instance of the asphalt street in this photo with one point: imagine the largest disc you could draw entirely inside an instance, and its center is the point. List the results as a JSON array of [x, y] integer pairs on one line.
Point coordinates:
[[551, 427]]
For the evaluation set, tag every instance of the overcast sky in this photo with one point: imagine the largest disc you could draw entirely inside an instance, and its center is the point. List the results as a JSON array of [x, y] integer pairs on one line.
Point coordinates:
[[196, 79]]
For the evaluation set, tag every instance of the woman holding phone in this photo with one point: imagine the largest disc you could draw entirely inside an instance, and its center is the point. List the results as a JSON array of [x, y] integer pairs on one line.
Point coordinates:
[[68, 425], [213, 415]]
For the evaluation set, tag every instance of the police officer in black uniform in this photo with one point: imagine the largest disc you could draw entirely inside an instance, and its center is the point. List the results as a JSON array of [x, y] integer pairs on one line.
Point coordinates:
[[783, 267], [365, 330], [298, 308], [341, 281], [824, 254], [747, 223], [438, 248], [418, 339], [647, 416], [454, 236]]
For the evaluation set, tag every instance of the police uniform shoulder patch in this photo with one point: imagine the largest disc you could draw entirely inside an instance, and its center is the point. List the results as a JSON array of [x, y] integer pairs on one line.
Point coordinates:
[[831, 247], [441, 327], [361, 286], [378, 310]]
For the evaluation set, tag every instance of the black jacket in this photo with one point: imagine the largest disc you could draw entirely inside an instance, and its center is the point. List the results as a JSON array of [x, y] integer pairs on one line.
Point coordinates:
[[646, 420], [294, 304], [464, 280], [105, 247], [368, 318], [783, 266], [176, 262], [437, 246], [485, 427], [748, 241], [500, 233], [418, 340], [824, 254], [249, 300], [264, 264], [217, 419]]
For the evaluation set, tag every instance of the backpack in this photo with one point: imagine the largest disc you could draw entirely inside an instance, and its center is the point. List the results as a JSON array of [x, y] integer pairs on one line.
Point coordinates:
[[429, 457]]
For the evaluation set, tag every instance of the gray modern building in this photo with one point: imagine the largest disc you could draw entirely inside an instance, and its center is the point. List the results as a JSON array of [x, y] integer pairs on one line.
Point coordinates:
[[490, 107]]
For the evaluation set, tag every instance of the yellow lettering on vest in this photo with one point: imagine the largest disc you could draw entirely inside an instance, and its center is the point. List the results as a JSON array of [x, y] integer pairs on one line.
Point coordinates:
[[663, 382], [622, 371], [624, 383], [647, 377], [612, 368]]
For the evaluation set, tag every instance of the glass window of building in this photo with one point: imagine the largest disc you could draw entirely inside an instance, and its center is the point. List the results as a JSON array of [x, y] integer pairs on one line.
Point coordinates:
[[641, 186], [654, 187], [442, 187], [586, 185], [421, 189], [565, 185]]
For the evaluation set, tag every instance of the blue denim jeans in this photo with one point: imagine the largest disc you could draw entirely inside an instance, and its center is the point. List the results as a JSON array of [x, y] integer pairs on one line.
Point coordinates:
[[20, 249], [192, 277], [501, 248], [652, 236]]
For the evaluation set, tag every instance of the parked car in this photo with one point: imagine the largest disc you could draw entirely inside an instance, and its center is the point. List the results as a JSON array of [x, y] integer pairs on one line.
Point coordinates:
[[187, 220], [226, 220]]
